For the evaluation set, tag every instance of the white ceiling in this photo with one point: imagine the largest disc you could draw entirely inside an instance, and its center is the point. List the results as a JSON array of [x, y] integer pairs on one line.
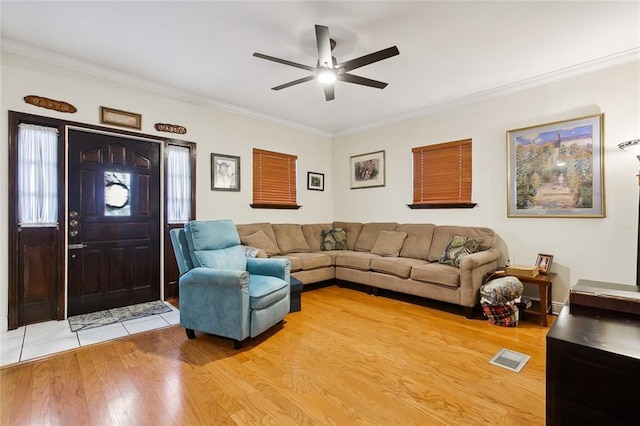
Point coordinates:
[[450, 52]]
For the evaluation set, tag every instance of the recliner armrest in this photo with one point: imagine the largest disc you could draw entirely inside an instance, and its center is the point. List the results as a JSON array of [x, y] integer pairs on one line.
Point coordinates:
[[215, 277], [279, 268]]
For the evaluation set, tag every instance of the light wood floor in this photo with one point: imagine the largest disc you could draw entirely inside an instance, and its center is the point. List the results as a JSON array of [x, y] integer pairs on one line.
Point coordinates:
[[348, 358]]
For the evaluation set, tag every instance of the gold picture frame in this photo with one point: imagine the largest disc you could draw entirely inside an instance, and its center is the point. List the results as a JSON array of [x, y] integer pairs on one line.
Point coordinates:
[[557, 169], [116, 117]]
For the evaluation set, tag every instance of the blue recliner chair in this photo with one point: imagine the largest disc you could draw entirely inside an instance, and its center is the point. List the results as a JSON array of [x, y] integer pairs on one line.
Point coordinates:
[[222, 292]]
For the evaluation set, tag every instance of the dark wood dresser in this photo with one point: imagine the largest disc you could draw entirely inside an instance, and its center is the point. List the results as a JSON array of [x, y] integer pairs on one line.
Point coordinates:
[[593, 359]]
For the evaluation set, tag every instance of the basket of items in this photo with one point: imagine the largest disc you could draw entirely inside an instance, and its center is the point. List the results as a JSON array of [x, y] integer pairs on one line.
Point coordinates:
[[498, 300]]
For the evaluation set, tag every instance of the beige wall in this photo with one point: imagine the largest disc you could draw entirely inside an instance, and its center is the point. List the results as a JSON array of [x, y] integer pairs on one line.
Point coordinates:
[[597, 249], [213, 129]]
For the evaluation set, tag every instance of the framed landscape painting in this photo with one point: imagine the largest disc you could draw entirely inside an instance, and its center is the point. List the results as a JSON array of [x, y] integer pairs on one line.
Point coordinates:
[[367, 170], [556, 169]]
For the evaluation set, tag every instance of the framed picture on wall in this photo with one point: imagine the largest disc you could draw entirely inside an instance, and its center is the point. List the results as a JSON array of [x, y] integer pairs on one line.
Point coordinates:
[[367, 170], [225, 172], [556, 169], [315, 181]]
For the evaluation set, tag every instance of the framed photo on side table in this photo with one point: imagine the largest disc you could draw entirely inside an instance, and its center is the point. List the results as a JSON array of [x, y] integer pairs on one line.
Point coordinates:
[[225, 172], [557, 169], [315, 181], [367, 170], [543, 262]]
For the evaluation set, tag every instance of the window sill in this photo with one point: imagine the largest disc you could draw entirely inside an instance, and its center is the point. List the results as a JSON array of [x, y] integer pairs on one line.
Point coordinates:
[[442, 206], [275, 206]]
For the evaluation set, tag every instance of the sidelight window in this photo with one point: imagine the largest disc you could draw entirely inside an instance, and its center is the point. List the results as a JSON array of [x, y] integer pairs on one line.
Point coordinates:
[[178, 184], [37, 175]]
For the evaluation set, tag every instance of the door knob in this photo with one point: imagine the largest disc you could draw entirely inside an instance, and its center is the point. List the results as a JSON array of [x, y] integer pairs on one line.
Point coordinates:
[[73, 214]]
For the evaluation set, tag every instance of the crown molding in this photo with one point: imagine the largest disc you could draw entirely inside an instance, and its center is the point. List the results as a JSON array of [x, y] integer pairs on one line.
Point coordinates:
[[17, 48], [12, 46], [616, 59]]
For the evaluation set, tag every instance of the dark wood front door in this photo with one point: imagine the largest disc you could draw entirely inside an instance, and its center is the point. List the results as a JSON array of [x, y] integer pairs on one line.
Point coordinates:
[[113, 221]]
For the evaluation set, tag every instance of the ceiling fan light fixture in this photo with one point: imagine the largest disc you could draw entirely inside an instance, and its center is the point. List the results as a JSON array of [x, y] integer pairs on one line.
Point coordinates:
[[327, 76]]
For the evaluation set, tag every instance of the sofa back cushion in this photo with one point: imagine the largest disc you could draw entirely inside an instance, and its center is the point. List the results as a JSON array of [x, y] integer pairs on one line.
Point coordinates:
[[369, 234], [353, 230], [442, 235], [313, 235], [250, 229], [418, 241], [290, 238]]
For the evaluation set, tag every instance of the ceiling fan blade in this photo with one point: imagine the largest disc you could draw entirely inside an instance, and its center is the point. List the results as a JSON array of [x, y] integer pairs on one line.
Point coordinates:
[[369, 59], [329, 93], [294, 82], [324, 46], [350, 78], [283, 61]]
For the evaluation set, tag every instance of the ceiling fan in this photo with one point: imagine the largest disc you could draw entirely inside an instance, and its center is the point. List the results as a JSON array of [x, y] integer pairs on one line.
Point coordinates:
[[328, 70]]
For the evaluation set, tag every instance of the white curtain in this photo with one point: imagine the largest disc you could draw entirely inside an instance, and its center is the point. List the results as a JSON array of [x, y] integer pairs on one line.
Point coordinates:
[[37, 175], [178, 184]]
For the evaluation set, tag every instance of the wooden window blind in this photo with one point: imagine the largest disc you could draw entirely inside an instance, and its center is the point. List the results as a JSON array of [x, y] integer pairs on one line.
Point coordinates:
[[442, 174], [274, 180]]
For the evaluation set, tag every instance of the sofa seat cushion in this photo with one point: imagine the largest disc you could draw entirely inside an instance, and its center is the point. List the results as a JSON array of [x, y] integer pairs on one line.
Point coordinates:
[[265, 291], [296, 262], [308, 261], [437, 273], [356, 260], [398, 266]]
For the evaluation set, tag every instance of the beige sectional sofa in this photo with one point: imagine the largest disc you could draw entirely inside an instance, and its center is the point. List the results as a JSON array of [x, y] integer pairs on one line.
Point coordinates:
[[405, 258]]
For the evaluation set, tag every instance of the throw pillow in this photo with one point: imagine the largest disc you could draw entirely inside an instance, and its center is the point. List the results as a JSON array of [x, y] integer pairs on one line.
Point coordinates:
[[250, 251], [458, 248], [260, 240], [389, 243], [334, 239]]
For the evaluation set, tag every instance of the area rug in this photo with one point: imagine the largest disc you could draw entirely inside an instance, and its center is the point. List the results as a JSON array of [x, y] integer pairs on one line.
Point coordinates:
[[111, 316]]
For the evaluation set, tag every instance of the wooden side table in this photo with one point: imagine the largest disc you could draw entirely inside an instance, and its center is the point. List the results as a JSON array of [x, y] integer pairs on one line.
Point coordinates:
[[544, 283]]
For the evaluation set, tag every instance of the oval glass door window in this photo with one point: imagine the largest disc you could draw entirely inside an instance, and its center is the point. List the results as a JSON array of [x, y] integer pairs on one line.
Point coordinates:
[[116, 194]]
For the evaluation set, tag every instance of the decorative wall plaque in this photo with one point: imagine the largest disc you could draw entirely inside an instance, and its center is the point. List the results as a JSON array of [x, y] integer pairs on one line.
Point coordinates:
[[120, 118], [39, 101], [170, 128]]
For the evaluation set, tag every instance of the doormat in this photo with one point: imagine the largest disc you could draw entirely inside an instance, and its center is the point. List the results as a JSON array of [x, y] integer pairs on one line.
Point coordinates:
[[510, 360], [111, 316]]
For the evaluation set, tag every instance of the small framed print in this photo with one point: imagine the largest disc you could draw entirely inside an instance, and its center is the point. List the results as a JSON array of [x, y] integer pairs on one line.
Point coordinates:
[[225, 172], [367, 170], [120, 118], [543, 263], [315, 181]]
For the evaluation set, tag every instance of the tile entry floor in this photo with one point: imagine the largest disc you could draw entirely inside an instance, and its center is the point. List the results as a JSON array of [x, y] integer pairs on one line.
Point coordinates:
[[46, 338]]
